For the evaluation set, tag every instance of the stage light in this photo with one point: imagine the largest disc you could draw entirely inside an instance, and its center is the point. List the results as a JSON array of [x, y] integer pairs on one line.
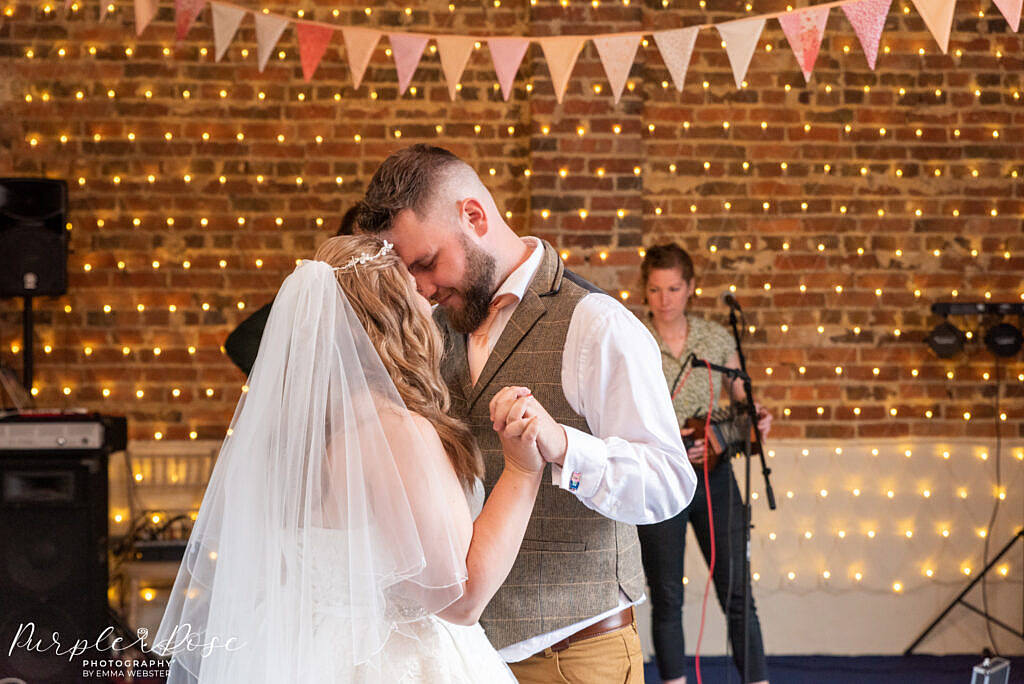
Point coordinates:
[[1004, 340], [946, 340]]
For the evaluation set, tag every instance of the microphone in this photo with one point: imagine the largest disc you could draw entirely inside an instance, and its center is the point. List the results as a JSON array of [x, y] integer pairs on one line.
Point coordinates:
[[702, 363], [730, 301]]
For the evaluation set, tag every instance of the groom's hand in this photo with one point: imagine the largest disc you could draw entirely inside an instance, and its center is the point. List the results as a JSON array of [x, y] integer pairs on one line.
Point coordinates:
[[517, 403]]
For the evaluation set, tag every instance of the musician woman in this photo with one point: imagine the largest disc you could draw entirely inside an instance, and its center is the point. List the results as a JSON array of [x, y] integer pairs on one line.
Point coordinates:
[[668, 282]]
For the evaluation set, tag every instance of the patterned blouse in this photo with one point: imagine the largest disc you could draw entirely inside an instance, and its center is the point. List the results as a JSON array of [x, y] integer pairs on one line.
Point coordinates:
[[706, 340]]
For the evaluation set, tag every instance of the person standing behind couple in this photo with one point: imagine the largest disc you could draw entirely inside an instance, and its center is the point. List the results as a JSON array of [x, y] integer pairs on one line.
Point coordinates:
[[511, 314]]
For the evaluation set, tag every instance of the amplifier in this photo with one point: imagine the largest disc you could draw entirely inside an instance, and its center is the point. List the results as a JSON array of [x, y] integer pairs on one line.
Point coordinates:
[[41, 431]]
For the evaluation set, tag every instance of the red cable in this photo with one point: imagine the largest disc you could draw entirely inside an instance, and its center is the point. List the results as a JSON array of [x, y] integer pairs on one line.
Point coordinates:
[[711, 524]]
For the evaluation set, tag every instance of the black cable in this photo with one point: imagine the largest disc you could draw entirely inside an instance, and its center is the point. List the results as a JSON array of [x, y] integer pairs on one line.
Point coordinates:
[[995, 509]]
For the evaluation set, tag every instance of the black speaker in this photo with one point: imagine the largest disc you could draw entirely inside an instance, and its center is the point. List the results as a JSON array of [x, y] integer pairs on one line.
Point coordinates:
[[53, 563], [33, 237]]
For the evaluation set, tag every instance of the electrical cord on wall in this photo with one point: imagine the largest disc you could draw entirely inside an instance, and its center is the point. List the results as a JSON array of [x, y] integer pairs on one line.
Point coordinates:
[[995, 507]]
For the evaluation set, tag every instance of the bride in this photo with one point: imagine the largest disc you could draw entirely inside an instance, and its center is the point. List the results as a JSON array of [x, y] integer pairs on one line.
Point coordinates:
[[336, 541]]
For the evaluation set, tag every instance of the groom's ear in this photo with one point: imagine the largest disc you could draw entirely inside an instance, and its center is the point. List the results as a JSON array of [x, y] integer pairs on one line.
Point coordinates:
[[474, 217]]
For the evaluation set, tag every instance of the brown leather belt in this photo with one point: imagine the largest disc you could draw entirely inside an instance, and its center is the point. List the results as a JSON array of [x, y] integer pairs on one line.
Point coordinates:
[[611, 623]]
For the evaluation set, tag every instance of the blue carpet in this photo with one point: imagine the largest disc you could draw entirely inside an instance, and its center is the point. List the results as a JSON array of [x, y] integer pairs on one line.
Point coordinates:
[[917, 669]]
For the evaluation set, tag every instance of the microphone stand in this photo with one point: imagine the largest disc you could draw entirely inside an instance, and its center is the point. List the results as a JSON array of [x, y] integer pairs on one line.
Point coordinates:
[[769, 492]]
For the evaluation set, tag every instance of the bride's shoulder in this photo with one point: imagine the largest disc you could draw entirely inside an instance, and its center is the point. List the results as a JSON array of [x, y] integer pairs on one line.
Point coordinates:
[[425, 427]]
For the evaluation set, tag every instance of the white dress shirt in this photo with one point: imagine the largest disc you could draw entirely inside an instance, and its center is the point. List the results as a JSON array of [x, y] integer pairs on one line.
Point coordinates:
[[633, 467]]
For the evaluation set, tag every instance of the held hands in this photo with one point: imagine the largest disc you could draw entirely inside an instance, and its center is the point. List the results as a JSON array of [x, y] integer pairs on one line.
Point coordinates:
[[517, 431], [513, 404]]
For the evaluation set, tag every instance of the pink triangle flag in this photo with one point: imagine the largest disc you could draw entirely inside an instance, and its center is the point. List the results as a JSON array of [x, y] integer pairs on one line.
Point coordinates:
[[561, 53], [103, 9], [313, 40], [741, 38], [938, 17], [676, 48], [359, 46], [185, 14], [145, 10], [868, 19], [407, 49], [67, 4], [226, 19], [507, 54], [804, 30], [1011, 10], [269, 28], [455, 52], [617, 52]]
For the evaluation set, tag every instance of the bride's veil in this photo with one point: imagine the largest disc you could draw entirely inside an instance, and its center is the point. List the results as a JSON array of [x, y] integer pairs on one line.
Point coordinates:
[[318, 514]]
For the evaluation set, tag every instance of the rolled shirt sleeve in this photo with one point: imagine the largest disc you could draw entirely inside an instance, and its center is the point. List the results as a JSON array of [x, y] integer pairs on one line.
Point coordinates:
[[633, 467]]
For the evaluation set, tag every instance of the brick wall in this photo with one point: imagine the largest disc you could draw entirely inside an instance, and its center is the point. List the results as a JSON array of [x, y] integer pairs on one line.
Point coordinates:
[[659, 165]]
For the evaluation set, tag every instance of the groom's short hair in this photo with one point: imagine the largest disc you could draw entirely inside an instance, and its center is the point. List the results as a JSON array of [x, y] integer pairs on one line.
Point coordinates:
[[408, 179]]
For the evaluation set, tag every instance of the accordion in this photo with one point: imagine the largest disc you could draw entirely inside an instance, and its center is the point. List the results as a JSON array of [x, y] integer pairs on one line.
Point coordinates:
[[729, 434]]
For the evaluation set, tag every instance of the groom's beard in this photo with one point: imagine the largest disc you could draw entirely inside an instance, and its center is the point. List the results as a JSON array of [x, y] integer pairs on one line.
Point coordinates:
[[476, 290]]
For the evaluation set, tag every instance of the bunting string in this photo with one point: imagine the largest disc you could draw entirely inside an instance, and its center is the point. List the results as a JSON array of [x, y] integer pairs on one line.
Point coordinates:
[[804, 29]]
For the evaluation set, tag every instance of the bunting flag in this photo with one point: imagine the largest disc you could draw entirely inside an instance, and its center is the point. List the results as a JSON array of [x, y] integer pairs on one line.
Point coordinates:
[[103, 9], [938, 17], [741, 38], [313, 40], [226, 19], [67, 4], [617, 52], [269, 28], [868, 19], [804, 30], [561, 53], [455, 52], [1011, 10], [145, 10], [676, 48], [185, 14], [359, 45], [407, 49], [507, 54]]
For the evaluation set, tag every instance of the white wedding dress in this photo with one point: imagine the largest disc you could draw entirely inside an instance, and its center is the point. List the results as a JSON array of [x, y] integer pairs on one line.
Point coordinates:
[[428, 649], [331, 532]]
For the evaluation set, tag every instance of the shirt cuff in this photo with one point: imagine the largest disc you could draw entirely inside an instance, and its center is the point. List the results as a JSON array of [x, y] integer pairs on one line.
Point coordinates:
[[585, 459]]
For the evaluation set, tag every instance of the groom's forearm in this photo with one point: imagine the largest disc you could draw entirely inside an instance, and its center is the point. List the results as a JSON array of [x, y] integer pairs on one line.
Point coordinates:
[[497, 535]]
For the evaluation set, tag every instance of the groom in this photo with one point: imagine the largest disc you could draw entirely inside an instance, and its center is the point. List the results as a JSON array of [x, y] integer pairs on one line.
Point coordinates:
[[511, 314]]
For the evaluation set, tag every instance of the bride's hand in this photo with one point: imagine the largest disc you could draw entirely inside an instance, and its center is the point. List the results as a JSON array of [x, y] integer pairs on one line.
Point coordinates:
[[518, 433]]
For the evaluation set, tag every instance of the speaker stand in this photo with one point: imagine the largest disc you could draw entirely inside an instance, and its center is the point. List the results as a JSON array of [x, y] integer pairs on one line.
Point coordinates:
[[959, 600]]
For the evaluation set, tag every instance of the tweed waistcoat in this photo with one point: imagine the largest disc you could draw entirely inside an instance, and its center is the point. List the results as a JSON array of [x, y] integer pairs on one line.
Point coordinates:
[[573, 560]]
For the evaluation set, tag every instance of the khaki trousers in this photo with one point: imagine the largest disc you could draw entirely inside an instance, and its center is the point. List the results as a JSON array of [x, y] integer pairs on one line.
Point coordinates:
[[612, 658]]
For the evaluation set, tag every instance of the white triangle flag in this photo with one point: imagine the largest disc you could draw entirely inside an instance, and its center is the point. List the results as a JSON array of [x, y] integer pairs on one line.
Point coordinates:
[[676, 48], [145, 10], [455, 52], [561, 53], [938, 17], [269, 28], [1011, 10], [226, 19], [359, 46], [617, 52], [741, 38]]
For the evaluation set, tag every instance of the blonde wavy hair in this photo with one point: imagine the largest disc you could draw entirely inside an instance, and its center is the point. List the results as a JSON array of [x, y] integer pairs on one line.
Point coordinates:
[[383, 296]]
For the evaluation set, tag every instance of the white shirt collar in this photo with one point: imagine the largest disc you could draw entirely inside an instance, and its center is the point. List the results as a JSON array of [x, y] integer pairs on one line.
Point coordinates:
[[519, 280]]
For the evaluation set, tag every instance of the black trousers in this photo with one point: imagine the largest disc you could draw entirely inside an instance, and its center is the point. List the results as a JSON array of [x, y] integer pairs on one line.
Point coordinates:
[[663, 546]]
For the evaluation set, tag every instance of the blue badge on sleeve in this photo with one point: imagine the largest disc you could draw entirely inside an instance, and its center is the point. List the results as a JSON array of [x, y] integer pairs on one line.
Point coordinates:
[[574, 481]]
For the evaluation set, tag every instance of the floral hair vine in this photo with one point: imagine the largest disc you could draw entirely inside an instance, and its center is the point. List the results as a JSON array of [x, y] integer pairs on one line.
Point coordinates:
[[365, 258]]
